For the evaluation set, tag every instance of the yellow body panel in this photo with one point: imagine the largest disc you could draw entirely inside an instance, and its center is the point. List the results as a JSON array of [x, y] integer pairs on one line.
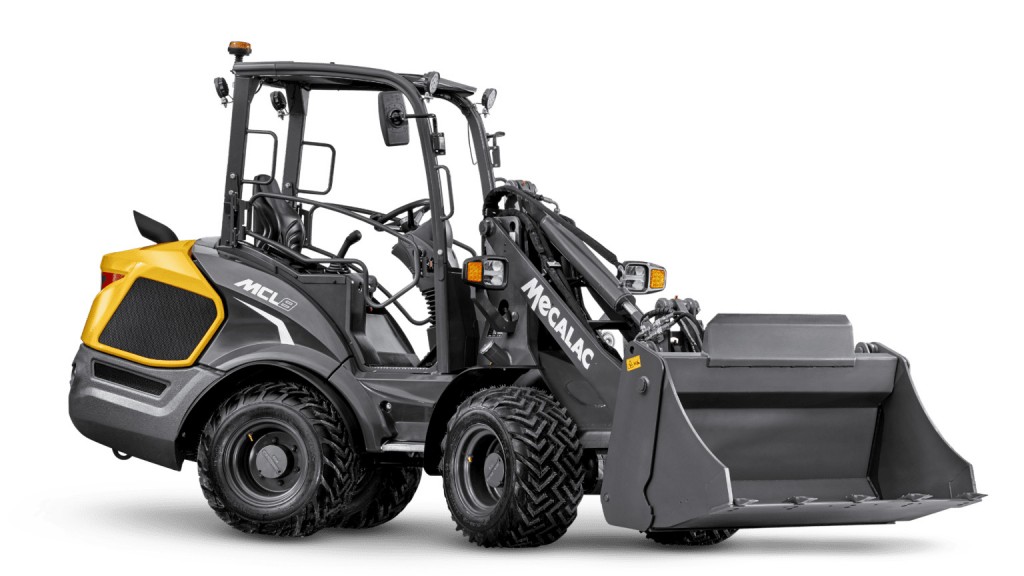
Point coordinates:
[[170, 263]]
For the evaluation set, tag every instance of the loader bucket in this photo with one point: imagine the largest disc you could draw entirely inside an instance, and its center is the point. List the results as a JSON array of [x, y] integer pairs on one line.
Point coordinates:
[[778, 423]]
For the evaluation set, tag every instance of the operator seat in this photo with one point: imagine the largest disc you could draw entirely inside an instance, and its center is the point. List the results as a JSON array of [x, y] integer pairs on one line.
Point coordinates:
[[275, 218]]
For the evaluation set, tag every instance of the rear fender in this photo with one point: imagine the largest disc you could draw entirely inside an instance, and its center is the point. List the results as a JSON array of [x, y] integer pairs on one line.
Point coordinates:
[[339, 387]]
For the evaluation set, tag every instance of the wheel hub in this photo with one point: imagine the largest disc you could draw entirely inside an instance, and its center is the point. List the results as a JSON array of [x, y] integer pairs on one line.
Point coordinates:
[[272, 461], [480, 470], [494, 470], [266, 462]]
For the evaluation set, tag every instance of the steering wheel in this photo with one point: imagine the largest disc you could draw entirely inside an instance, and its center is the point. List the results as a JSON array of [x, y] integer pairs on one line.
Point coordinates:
[[413, 213]]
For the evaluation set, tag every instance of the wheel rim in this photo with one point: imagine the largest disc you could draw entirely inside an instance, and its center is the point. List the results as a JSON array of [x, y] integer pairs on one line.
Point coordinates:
[[480, 470], [267, 464]]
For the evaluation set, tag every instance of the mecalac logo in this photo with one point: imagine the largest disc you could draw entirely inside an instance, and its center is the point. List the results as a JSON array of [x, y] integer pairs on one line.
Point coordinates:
[[266, 294], [542, 306]]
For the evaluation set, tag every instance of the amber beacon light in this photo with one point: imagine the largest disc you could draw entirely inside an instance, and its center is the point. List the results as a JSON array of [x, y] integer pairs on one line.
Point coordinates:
[[239, 49]]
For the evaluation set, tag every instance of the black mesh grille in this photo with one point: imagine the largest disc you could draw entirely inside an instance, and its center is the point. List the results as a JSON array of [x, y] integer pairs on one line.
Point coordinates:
[[129, 379], [158, 321]]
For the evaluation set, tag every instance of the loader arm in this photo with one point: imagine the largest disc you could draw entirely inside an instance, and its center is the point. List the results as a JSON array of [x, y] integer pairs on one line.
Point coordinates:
[[580, 371]]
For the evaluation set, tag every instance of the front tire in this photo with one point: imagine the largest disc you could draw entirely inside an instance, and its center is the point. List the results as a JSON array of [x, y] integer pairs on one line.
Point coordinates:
[[512, 468], [276, 458], [692, 537]]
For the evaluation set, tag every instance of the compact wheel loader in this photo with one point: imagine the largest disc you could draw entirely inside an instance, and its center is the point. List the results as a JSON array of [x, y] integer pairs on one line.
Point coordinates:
[[282, 369]]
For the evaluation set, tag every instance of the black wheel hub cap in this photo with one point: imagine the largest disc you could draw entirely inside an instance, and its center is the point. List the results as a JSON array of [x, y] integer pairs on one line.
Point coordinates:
[[272, 462], [266, 465], [494, 470]]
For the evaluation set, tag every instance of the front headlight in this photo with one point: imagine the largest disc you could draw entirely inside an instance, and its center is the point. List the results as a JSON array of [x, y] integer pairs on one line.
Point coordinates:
[[634, 278], [642, 277], [494, 272]]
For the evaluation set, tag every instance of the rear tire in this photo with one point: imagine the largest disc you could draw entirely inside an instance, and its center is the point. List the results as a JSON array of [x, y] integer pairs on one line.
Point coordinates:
[[692, 537], [512, 468], [380, 494], [276, 458]]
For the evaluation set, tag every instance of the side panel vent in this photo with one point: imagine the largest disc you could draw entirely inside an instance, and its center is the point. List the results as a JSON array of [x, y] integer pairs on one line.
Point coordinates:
[[159, 321], [128, 379]]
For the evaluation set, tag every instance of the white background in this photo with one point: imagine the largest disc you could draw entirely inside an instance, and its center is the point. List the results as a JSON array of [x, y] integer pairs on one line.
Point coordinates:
[[807, 157]]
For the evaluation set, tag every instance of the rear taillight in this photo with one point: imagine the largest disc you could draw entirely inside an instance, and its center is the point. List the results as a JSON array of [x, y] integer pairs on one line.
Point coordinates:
[[107, 278]]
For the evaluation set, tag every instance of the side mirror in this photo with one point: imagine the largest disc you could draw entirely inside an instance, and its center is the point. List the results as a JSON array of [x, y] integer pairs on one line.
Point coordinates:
[[487, 272], [642, 277], [394, 125]]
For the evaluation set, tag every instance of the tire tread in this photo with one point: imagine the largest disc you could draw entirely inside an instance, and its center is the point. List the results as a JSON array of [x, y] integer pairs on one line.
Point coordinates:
[[549, 474], [393, 486], [339, 458]]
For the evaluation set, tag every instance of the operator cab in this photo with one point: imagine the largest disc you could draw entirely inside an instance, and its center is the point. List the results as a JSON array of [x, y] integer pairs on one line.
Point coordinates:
[[270, 217], [380, 339]]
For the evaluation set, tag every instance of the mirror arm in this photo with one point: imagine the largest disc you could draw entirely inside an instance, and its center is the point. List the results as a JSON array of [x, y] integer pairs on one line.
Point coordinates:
[[399, 117]]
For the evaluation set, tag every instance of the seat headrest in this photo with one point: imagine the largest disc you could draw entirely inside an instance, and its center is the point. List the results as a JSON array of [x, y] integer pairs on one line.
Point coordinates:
[[275, 218]]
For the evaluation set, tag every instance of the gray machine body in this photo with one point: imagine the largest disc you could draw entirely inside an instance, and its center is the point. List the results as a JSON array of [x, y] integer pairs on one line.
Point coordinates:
[[780, 420], [777, 423]]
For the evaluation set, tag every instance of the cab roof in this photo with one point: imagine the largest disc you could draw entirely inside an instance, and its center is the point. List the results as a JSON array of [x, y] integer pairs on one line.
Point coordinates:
[[317, 76]]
